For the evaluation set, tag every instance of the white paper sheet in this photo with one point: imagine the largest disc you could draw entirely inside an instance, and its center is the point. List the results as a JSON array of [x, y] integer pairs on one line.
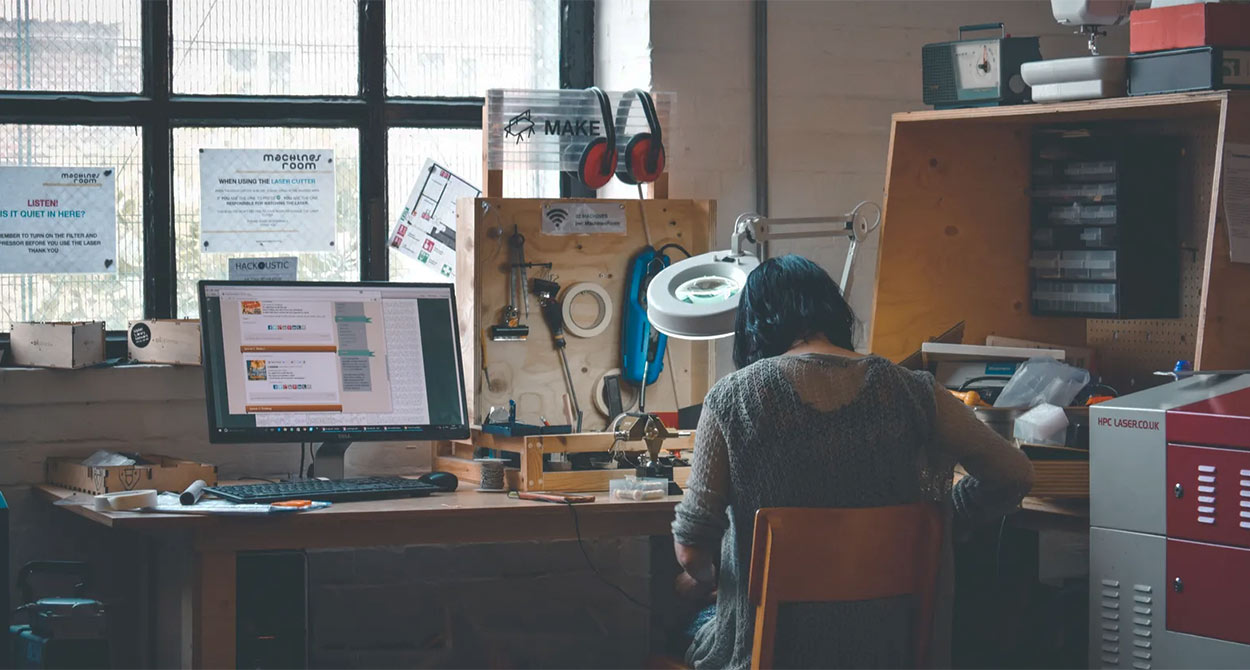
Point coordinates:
[[1237, 200], [57, 220], [266, 200], [426, 230]]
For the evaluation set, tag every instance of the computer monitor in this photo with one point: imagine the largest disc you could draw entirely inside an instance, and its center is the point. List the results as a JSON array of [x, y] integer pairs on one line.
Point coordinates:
[[331, 362]]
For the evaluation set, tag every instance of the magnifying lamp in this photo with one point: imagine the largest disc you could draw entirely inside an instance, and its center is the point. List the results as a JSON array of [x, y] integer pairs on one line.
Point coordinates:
[[697, 299]]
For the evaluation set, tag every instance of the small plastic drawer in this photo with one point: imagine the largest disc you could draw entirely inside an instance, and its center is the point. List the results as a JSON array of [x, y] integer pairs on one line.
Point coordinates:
[[1089, 171], [1063, 297], [1078, 193], [1079, 214], [1073, 264], [1073, 237], [1097, 237], [1087, 265]]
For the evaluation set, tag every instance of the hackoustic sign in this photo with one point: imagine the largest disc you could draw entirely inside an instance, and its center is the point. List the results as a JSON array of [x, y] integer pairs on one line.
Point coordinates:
[[58, 220]]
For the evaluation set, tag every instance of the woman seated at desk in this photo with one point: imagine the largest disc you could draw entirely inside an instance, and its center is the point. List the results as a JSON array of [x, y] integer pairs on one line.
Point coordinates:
[[807, 422]]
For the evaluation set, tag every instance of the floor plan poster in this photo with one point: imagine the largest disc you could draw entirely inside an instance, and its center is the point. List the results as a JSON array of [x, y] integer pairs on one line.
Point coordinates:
[[266, 200], [58, 220], [426, 230]]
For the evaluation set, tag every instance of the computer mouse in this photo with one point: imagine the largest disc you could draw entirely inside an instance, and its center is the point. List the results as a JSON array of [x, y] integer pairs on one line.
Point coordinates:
[[443, 480]]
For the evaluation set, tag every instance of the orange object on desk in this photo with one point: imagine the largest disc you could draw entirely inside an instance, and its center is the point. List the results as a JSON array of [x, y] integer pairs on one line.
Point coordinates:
[[298, 504]]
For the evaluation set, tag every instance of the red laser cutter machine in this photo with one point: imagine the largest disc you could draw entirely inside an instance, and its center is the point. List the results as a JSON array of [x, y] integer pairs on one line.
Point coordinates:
[[1170, 526]]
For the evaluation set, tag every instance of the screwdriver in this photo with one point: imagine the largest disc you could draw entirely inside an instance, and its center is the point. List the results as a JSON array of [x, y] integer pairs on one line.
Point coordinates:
[[546, 291]]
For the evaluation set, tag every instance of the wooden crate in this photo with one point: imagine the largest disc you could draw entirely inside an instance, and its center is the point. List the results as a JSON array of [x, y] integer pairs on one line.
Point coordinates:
[[954, 243], [155, 472], [456, 457]]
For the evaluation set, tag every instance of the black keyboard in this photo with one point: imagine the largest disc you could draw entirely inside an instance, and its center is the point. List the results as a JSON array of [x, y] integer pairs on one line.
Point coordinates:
[[360, 488]]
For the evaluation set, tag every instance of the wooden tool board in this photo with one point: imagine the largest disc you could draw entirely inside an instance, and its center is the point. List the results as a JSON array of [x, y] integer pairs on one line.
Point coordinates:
[[530, 372]]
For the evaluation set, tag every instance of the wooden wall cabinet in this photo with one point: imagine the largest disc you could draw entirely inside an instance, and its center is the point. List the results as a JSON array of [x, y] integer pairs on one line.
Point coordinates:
[[956, 229]]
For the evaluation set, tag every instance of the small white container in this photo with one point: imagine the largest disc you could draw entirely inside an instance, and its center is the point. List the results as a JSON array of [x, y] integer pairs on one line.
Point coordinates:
[[1044, 424], [638, 489]]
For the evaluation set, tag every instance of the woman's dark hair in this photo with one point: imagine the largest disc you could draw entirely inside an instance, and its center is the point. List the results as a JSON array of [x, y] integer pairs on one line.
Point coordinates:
[[786, 300]]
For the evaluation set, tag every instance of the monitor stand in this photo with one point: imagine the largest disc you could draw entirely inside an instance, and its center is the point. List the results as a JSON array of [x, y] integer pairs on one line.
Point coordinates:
[[329, 461]]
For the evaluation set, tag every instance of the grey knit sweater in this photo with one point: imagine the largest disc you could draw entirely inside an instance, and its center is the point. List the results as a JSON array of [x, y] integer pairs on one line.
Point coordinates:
[[818, 430]]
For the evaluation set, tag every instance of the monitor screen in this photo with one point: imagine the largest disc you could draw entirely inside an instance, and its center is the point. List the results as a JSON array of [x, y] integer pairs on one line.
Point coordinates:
[[314, 361]]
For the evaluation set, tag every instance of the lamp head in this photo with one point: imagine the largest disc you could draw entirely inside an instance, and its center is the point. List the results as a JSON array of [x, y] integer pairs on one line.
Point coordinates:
[[697, 298]]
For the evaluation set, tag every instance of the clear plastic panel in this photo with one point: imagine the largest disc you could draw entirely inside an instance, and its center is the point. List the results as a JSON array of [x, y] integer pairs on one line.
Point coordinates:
[[548, 130]]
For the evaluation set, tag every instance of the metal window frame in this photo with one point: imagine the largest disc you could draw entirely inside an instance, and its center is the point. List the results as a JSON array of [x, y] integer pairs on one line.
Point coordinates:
[[157, 110]]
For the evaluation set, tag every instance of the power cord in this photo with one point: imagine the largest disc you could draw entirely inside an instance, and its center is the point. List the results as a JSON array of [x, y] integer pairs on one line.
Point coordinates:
[[581, 545]]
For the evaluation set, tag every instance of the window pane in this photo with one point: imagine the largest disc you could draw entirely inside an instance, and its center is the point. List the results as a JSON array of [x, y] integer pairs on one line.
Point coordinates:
[[459, 151], [265, 47], [70, 45], [463, 47], [343, 264], [114, 298]]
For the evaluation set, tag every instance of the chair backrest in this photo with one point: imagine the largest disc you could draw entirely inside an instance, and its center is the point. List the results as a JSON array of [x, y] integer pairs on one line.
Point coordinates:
[[820, 554]]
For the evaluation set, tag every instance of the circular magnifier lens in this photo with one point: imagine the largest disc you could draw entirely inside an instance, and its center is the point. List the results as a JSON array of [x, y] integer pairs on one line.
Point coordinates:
[[707, 289]]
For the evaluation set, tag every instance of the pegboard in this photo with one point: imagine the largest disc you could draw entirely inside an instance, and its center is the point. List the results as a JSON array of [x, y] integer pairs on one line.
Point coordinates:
[[1130, 350], [530, 372]]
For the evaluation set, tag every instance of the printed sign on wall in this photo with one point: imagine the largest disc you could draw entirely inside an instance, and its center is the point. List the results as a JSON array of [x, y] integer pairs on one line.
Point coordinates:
[[426, 229], [58, 220], [266, 200]]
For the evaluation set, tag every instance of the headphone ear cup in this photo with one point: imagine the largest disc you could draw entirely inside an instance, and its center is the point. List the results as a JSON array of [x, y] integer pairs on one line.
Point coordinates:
[[590, 167], [626, 173], [636, 152]]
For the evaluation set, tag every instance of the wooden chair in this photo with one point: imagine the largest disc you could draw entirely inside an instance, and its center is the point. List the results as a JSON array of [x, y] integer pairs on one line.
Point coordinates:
[[803, 554]]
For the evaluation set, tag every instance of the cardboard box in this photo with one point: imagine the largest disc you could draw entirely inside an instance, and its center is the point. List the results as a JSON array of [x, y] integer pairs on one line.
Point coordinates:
[[171, 341], [68, 345], [151, 472], [1183, 26]]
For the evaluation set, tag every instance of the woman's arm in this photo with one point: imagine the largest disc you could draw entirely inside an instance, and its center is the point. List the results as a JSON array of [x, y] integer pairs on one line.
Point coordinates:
[[701, 517], [1000, 475]]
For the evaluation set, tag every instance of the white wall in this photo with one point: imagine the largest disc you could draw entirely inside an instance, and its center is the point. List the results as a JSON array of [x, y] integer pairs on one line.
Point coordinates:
[[837, 70]]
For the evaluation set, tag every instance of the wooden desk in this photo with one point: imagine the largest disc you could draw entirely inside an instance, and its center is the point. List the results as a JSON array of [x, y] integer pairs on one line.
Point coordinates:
[[213, 542], [461, 517]]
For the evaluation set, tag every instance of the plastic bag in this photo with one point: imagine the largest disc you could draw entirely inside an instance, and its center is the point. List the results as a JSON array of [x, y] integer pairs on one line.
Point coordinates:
[[1043, 380], [1044, 424], [107, 458]]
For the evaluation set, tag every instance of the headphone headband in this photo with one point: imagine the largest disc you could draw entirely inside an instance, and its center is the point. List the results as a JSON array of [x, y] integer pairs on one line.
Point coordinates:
[[609, 129], [653, 123]]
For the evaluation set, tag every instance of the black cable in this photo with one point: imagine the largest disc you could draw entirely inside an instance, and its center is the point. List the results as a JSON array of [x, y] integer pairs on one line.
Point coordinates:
[[674, 245], [998, 554], [301, 459], [581, 545], [258, 479]]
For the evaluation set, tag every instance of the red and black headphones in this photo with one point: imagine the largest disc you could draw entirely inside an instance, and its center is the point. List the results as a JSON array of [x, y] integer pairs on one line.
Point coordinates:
[[598, 161], [644, 152]]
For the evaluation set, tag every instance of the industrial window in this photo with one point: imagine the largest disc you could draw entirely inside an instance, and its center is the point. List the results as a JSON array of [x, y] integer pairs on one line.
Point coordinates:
[[142, 86]]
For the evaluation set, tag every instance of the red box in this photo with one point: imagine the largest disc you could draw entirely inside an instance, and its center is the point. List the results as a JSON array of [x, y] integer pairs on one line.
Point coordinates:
[[1216, 24]]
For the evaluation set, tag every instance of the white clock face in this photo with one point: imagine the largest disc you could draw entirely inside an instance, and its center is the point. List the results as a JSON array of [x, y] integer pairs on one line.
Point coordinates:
[[977, 65]]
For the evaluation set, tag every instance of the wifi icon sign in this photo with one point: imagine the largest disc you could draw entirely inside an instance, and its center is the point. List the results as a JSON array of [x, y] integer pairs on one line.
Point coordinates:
[[557, 215]]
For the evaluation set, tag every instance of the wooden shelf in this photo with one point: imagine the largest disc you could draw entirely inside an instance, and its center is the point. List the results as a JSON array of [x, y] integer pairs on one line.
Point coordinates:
[[954, 240]]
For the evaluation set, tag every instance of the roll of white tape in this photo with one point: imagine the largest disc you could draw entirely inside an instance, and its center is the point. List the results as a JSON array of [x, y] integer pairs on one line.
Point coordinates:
[[629, 395], [605, 309], [125, 500]]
